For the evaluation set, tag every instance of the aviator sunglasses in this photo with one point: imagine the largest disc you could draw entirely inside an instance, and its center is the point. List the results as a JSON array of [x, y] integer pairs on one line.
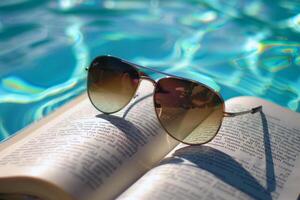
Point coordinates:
[[189, 111]]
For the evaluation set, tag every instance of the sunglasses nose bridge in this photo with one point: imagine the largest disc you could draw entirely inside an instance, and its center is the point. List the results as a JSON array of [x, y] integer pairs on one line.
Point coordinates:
[[143, 77]]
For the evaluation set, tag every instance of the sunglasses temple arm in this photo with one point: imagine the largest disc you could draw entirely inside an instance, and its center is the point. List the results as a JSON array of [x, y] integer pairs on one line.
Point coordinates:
[[252, 111]]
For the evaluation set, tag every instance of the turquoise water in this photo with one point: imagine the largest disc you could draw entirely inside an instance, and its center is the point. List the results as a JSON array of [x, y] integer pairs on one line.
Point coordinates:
[[240, 47]]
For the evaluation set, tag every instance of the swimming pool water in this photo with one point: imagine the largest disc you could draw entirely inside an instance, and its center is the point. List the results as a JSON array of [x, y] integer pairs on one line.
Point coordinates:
[[240, 47]]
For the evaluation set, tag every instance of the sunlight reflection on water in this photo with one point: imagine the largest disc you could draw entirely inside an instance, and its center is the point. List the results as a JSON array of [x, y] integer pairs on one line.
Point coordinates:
[[238, 47]]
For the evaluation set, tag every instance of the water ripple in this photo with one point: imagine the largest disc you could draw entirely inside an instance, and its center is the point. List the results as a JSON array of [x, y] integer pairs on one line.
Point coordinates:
[[237, 47]]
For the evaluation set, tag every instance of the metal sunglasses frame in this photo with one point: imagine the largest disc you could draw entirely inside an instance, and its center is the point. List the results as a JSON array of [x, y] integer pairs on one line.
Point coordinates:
[[144, 76]]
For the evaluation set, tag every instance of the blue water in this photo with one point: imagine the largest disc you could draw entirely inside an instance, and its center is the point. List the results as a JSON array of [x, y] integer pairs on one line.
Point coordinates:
[[240, 47]]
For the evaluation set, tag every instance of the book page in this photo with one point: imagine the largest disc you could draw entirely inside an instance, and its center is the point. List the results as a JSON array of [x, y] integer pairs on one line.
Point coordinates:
[[88, 154], [254, 156]]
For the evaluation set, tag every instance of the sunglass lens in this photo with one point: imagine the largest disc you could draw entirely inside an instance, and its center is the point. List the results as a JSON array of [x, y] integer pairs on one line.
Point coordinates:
[[111, 83], [190, 112]]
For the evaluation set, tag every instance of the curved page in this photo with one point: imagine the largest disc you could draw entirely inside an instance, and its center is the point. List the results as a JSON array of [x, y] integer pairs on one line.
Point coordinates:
[[87, 154], [254, 156]]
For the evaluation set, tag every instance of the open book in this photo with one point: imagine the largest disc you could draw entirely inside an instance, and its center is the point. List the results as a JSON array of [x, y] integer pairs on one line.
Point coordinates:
[[79, 153]]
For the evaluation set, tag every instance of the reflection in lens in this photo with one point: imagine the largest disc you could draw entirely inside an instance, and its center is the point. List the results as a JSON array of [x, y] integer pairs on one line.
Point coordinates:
[[190, 112], [111, 83]]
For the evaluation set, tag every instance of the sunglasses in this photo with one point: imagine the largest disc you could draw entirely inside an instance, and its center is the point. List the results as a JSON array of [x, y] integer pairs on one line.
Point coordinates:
[[189, 111]]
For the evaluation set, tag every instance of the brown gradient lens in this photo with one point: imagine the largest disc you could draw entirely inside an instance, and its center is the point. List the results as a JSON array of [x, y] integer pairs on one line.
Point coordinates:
[[111, 83], [190, 112]]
